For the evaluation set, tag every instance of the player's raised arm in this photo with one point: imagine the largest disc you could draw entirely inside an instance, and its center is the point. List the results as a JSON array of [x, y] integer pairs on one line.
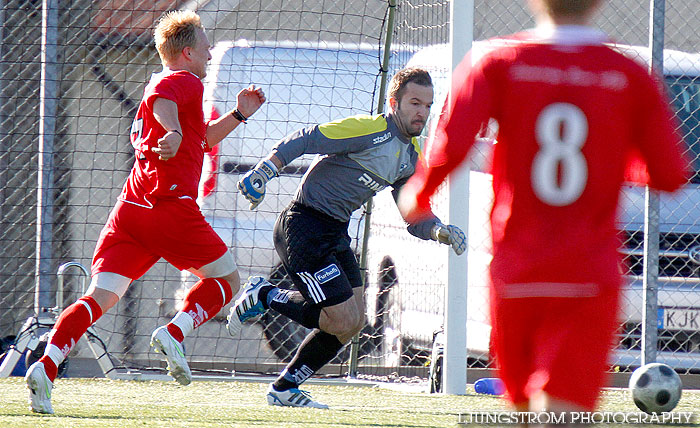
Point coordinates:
[[340, 136], [658, 139], [465, 111], [248, 101]]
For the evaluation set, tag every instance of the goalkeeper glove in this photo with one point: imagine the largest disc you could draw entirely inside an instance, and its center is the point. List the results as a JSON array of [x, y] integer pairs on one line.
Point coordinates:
[[450, 235], [252, 185]]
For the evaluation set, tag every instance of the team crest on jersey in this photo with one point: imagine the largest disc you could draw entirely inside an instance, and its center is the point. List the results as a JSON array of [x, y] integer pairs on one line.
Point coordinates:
[[327, 273]]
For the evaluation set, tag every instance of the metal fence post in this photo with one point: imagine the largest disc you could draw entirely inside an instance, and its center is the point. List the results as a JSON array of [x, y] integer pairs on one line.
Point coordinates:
[[48, 103], [3, 159], [355, 343], [651, 207]]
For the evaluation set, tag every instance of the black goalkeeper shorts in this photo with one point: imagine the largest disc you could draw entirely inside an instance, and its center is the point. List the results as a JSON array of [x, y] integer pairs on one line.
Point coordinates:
[[315, 251]]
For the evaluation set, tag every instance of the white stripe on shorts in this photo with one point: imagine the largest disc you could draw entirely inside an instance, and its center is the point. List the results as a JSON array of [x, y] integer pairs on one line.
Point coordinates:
[[313, 286], [309, 286], [318, 287]]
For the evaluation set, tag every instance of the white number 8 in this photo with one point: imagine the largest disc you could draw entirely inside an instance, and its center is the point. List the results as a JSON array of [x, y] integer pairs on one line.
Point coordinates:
[[559, 170]]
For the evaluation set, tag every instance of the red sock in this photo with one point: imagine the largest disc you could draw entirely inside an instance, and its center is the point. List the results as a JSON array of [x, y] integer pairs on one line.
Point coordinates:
[[204, 300], [175, 332], [71, 325]]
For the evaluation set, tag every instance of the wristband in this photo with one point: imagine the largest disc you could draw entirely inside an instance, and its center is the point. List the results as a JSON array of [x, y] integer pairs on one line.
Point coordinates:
[[440, 233], [268, 168], [239, 116], [175, 131]]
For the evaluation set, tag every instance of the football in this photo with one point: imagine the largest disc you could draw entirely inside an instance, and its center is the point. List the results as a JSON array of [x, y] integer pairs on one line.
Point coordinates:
[[655, 387]]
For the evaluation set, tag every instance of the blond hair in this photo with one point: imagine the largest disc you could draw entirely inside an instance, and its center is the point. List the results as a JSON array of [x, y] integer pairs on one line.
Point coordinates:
[[568, 7], [175, 31]]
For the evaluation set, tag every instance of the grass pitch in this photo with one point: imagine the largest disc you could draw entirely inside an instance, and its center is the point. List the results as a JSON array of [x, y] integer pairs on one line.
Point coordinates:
[[120, 404]]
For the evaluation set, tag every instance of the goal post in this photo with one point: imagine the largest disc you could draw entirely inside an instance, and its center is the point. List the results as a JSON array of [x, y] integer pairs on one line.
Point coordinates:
[[455, 357]]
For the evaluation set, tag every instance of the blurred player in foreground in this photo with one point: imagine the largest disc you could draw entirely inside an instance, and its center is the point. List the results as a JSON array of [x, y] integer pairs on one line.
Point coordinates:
[[156, 214], [572, 113], [361, 155]]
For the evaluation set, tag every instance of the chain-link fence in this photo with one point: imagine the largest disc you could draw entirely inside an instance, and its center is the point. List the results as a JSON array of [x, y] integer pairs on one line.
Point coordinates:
[[407, 277], [317, 61]]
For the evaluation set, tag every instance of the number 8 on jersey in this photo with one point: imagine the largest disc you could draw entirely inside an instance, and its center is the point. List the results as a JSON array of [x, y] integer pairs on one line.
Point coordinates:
[[559, 169]]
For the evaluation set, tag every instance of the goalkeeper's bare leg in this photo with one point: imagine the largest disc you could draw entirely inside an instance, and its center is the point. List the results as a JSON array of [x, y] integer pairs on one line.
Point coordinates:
[[337, 325]]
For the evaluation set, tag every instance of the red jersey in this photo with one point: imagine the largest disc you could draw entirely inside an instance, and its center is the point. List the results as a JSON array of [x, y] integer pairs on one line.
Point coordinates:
[[151, 178], [572, 112]]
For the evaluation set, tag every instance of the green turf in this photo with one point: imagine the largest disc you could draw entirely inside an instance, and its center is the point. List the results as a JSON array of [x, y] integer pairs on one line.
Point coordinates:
[[104, 403]]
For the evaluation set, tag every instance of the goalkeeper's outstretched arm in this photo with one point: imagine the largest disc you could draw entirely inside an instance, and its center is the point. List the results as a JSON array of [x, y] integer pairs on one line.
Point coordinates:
[[430, 227]]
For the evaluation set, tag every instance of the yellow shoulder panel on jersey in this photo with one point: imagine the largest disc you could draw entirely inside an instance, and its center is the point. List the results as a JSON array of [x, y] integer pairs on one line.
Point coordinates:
[[353, 126], [416, 146]]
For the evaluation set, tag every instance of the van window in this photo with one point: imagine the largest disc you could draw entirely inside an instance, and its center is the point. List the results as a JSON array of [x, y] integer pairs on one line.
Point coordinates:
[[685, 92]]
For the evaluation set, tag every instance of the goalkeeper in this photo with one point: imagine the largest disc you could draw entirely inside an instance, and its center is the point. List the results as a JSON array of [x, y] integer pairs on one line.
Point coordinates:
[[359, 156]]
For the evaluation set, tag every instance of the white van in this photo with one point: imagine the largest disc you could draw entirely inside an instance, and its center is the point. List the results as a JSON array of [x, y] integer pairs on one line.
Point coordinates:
[[407, 276], [305, 84]]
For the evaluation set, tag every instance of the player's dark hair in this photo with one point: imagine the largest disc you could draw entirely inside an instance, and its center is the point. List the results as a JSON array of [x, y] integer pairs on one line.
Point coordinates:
[[569, 7], [405, 76]]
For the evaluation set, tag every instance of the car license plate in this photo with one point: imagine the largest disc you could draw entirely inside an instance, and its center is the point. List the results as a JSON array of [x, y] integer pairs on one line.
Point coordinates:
[[679, 319]]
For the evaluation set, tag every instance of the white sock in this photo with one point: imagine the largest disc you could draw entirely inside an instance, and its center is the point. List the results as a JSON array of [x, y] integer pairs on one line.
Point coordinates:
[[53, 352], [184, 322]]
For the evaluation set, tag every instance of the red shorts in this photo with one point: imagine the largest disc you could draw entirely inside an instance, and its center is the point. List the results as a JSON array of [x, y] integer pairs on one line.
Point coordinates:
[[135, 238], [559, 345]]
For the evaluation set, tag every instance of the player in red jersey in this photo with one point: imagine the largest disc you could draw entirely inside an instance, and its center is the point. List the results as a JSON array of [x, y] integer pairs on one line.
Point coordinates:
[[572, 112], [156, 215]]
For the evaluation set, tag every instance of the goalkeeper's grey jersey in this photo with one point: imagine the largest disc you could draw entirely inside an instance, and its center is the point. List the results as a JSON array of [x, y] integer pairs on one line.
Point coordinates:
[[358, 156]]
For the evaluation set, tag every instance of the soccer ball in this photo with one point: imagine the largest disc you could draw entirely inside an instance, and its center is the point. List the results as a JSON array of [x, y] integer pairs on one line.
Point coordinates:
[[656, 388]]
